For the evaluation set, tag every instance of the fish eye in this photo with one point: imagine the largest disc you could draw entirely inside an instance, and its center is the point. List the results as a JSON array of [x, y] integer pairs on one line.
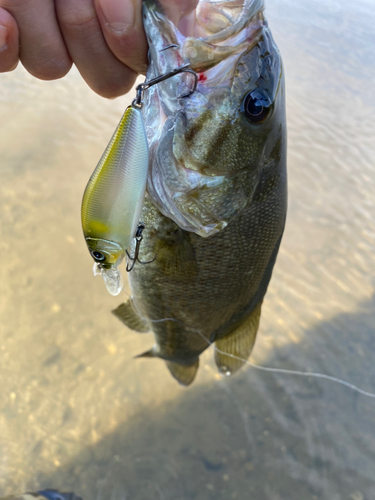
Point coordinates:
[[98, 256], [256, 106]]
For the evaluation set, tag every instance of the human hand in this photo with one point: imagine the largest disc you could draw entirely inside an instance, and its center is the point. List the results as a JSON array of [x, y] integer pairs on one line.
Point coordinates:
[[103, 38]]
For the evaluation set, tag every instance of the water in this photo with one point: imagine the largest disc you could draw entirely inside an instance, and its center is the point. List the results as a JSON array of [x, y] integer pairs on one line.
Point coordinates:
[[78, 412]]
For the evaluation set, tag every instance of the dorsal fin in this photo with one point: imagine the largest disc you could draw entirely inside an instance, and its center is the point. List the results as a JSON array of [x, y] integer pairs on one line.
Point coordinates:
[[125, 313], [239, 343]]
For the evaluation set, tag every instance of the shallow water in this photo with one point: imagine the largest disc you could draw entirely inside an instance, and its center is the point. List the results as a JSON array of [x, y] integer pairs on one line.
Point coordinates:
[[78, 412]]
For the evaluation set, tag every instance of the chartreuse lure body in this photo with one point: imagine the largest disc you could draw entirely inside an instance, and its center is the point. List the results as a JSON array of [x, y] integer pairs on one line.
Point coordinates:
[[113, 197]]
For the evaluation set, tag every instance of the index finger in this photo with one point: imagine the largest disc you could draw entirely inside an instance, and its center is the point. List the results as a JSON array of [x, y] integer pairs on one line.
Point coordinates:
[[42, 48]]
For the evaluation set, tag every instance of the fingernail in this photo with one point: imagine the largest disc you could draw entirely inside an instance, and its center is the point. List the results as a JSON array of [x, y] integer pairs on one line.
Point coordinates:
[[119, 14], [3, 37]]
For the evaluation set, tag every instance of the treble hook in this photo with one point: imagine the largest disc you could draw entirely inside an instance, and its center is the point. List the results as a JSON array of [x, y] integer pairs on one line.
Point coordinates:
[[137, 102], [138, 237]]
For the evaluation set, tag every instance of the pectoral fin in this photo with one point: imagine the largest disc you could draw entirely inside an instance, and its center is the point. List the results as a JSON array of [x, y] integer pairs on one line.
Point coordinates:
[[184, 374], [232, 351], [175, 255], [125, 313]]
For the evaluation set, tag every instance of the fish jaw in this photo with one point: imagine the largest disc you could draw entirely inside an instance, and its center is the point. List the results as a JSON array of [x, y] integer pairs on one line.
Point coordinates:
[[206, 159]]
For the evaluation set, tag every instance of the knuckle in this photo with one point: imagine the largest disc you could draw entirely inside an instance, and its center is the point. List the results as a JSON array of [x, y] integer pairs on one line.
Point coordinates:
[[13, 5], [78, 20]]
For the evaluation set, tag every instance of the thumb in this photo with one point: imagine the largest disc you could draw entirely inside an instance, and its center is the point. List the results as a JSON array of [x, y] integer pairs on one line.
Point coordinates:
[[122, 26], [121, 23]]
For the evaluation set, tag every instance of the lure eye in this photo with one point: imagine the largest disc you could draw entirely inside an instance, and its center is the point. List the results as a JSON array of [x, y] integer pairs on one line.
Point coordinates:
[[98, 256], [256, 106]]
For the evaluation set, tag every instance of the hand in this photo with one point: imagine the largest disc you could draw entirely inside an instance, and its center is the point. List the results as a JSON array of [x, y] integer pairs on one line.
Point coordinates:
[[103, 38]]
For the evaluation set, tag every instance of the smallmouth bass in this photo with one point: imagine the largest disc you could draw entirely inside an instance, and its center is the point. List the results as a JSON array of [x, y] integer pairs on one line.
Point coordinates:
[[215, 206]]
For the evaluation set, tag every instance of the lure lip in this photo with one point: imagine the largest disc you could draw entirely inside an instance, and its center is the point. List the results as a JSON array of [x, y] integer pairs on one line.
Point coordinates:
[[112, 278]]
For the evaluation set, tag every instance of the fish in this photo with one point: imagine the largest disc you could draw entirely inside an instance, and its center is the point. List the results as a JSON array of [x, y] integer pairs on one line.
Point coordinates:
[[216, 200], [43, 495], [113, 198]]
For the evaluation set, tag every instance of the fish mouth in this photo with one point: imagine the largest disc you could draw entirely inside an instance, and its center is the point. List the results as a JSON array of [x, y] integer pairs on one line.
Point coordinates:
[[204, 39], [211, 40]]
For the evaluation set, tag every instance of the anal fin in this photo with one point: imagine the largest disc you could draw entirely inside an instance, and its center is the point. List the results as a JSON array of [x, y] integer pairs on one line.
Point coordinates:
[[125, 313], [184, 374], [238, 344]]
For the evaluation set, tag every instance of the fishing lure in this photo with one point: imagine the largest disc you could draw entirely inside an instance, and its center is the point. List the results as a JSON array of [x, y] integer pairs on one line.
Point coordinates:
[[114, 195]]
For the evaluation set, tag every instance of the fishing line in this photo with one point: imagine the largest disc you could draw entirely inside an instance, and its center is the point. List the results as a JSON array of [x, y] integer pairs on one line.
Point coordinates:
[[138, 312], [282, 371], [285, 371]]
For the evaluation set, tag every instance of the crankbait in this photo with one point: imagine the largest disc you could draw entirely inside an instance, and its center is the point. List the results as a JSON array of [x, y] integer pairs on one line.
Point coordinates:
[[114, 195]]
